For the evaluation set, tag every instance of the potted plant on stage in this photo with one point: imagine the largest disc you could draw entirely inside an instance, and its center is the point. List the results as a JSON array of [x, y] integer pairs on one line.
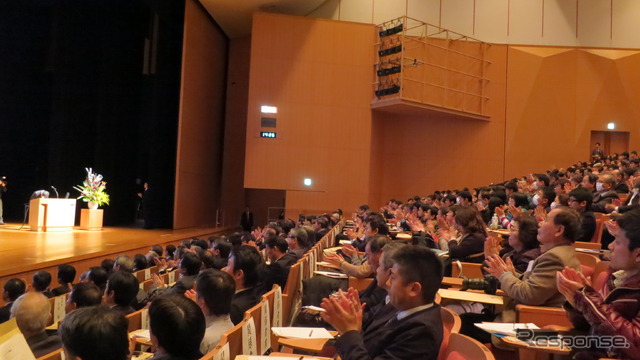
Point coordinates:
[[93, 190]]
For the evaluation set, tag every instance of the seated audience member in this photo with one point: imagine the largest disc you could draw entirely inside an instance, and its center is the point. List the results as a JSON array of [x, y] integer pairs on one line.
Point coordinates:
[[139, 262], [464, 199], [280, 262], [321, 227], [620, 186], [523, 243], [169, 250], [632, 201], [107, 265], [188, 270], [83, 295], [221, 249], [298, 242], [538, 285], [95, 333], [414, 332], [600, 309], [245, 266], [41, 281], [580, 200], [605, 194], [121, 291], [469, 246], [66, 275], [589, 182], [177, 327], [32, 312], [98, 276], [12, 289], [378, 310], [214, 292], [157, 249], [124, 263]]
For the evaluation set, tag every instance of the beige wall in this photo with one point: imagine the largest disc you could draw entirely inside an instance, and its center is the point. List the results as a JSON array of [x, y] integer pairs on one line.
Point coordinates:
[[593, 23], [200, 126], [319, 75]]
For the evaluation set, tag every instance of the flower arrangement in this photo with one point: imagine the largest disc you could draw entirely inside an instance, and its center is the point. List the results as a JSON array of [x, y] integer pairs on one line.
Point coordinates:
[[93, 189]]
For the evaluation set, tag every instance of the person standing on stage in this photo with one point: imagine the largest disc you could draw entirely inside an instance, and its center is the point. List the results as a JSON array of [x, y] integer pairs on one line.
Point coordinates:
[[3, 189]]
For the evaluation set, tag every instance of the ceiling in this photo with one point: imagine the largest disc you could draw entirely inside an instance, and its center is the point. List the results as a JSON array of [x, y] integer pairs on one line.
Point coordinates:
[[234, 16]]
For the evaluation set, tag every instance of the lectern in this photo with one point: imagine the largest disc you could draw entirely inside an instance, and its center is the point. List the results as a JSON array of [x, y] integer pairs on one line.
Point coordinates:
[[46, 214]]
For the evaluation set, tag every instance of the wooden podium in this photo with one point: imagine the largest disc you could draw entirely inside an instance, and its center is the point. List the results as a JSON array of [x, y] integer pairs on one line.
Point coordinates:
[[46, 214], [91, 219]]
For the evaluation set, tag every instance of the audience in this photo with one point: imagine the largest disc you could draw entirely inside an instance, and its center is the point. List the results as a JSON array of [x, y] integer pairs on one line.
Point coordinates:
[[177, 328], [280, 262], [188, 270], [83, 295], [121, 291], [95, 333], [414, 332], [66, 275], [12, 289], [33, 312], [297, 239], [246, 267], [41, 281]]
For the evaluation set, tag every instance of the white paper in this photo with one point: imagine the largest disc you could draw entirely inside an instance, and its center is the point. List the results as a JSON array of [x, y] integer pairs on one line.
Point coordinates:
[[142, 334], [508, 329], [314, 308], [265, 329], [58, 308], [223, 353], [345, 242], [147, 274], [144, 319], [277, 307], [249, 346], [141, 286], [332, 274], [302, 332], [171, 277], [16, 348]]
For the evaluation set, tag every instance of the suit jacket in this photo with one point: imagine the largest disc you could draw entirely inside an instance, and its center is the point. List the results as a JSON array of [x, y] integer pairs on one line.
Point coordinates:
[[278, 271], [5, 312], [538, 286], [601, 199], [621, 188], [418, 336], [373, 295], [373, 325], [60, 290], [41, 344], [180, 287], [587, 226], [631, 202], [246, 221], [243, 301]]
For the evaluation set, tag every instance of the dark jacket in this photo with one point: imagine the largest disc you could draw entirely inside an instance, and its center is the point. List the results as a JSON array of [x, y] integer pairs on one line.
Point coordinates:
[[41, 344], [521, 259], [243, 301], [587, 226], [471, 244], [609, 311], [278, 271], [418, 336], [600, 200]]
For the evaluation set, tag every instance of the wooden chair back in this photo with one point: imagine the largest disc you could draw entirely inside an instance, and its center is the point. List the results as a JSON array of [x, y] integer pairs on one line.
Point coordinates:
[[588, 262], [597, 236], [270, 298], [469, 270], [54, 355], [57, 308], [234, 337], [261, 337], [463, 347], [359, 284], [542, 315], [220, 347], [587, 245], [600, 274], [290, 294], [451, 323], [135, 319]]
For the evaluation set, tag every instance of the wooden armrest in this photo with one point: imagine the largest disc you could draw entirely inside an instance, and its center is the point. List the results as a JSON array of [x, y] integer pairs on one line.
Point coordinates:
[[311, 345], [542, 315]]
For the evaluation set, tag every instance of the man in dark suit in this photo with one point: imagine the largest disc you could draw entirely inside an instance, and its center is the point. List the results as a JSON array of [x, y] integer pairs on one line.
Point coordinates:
[[189, 268], [122, 288], [280, 262], [12, 289], [414, 332], [95, 330], [66, 276], [597, 153], [630, 203], [245, 266], [246, 220], [580, 200], [32, 312]]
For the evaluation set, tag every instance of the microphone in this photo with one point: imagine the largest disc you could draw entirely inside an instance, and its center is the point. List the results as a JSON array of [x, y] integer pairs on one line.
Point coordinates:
[[54, 189]]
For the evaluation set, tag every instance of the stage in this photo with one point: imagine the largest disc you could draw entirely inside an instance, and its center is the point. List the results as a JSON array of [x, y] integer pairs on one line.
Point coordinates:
[[23, 252]]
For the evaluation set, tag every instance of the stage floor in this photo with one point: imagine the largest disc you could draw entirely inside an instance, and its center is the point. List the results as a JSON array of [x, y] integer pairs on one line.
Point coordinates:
[[24, 250]]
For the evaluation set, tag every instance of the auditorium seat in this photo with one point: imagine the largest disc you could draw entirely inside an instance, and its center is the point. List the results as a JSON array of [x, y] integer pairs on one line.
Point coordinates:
[[55, 355], [462, 347], [451, 323]]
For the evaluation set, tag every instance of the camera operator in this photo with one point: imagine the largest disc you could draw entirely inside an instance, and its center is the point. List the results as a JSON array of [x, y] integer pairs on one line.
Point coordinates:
[[3, 189]]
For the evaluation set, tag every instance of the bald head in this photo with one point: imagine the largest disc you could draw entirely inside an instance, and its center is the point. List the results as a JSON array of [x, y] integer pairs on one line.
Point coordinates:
[[32, 312]]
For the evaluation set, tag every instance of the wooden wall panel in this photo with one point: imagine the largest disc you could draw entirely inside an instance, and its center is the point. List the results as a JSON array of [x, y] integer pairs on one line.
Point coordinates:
[[198, 168], [319, 75]]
